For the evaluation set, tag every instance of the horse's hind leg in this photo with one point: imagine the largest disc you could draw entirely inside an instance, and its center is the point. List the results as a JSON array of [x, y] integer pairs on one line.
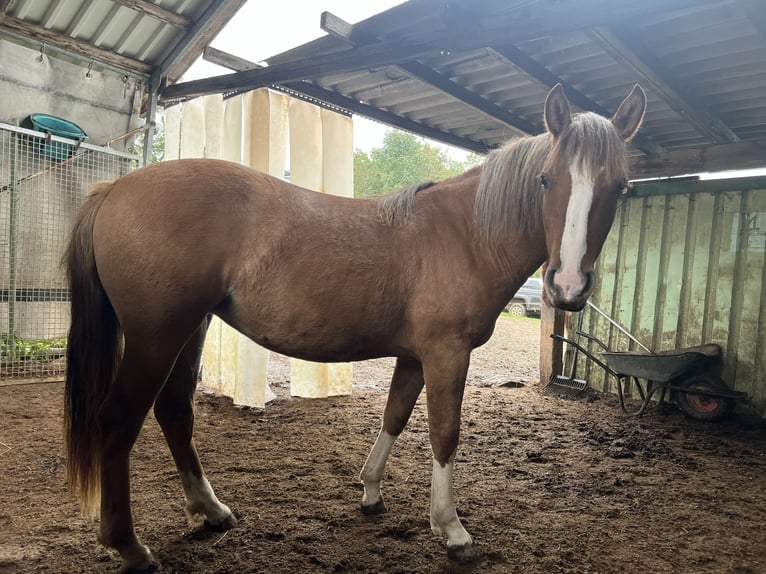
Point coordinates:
[[406, 385], [174, 409], [142, 372]]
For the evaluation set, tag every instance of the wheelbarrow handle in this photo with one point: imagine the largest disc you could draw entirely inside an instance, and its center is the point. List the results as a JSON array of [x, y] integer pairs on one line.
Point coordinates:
[[585, 352], [590, 337]]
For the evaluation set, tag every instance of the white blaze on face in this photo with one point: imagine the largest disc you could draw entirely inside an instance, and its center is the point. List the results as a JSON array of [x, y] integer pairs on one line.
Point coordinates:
[[574, 239]]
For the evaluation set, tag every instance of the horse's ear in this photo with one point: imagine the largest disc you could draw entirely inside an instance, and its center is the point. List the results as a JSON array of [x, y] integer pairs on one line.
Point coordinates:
[[558, 114], [630, 114]]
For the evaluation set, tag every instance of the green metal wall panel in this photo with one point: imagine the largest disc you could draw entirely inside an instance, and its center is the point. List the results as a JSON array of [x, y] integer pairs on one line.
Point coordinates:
[[685, 264]]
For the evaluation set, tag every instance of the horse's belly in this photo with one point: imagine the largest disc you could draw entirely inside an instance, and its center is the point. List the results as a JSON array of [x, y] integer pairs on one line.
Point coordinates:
[[322, 334]]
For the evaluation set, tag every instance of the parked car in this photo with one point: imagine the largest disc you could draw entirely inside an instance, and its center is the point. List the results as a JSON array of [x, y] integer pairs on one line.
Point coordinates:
[[528, 299]]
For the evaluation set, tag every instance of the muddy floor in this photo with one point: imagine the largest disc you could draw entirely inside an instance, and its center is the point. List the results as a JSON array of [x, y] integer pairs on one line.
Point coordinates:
[[545, 485]]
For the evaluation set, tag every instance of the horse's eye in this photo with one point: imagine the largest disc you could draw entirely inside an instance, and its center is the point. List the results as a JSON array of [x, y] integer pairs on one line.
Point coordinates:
[[544, 182]]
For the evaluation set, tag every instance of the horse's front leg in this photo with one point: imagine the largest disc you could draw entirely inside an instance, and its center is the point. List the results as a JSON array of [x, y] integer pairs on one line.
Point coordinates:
[[445, 370], [406, 385]]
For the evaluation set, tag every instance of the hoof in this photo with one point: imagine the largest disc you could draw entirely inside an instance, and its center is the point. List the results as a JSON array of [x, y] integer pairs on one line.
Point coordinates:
[[226, 524], [147, 568], [150, 569], [374, 509], [464, 554]]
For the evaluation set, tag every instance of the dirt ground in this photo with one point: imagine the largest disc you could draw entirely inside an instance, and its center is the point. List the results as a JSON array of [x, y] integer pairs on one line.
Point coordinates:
[[544, 484]]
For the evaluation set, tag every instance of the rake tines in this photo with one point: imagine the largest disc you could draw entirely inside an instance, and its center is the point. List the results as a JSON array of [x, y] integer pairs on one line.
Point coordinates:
[[562, 386]]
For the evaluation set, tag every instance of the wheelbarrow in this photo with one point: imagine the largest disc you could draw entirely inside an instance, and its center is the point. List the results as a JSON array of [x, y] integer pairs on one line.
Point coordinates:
[[688, 374]]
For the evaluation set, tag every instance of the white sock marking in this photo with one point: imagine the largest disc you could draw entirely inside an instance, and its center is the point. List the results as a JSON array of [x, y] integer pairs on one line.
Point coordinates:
[[202, 501], [444, 518], [372, 472], [574, 239]]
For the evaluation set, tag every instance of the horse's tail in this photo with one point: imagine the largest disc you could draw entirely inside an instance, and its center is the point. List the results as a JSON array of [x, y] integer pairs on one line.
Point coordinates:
[[94, 350]]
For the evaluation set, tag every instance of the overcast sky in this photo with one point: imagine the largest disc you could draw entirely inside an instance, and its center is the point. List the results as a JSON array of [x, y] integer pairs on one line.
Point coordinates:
[[263, 29]]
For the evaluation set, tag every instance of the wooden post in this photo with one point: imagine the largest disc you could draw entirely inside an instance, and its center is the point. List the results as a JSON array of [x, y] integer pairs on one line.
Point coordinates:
[[551, 351]]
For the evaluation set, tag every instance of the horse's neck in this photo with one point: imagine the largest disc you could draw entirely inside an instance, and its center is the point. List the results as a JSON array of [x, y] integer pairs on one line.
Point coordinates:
[[517, 258]]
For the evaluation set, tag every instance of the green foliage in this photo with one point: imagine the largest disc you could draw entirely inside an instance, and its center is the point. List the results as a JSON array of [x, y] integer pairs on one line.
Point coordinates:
[[158, 142], [403, 160], [13, 348]]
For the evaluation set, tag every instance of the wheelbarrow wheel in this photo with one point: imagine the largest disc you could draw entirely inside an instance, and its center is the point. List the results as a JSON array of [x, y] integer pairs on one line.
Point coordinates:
[[704, 407]]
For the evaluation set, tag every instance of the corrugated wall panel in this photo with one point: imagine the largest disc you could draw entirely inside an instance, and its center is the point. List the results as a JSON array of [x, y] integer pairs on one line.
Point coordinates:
[[685, 264]]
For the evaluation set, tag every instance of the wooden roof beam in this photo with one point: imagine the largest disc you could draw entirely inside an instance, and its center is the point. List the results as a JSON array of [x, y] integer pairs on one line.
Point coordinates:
[[313, 92], [351, 34], [629, 50], [547, 18], [522, 60], [73, 45], [719, 157], [157, 12], [196, 37]]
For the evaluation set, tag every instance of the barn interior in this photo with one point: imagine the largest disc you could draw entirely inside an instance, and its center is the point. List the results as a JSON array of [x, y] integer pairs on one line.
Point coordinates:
[[470, 75]]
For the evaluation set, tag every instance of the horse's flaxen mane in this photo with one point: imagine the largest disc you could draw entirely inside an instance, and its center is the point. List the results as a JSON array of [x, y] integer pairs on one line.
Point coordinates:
[[509, 189], [396, 207], [509, 194]]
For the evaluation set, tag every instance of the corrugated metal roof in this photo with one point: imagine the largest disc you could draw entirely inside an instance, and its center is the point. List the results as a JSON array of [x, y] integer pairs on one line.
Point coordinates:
[[136, 36], [470, 73], [475, 73]]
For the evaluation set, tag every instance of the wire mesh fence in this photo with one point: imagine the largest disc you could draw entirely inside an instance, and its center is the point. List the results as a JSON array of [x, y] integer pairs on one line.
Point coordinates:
[[43, 180]]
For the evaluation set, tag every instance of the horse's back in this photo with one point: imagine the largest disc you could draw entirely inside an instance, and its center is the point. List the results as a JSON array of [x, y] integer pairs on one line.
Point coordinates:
[[178, 240]]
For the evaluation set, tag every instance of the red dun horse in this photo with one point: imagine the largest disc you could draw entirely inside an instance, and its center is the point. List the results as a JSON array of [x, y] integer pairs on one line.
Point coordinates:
[[420, 275]]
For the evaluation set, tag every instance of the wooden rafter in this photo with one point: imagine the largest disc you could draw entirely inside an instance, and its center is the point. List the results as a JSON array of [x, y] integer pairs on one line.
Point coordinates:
[[40, 34], [201, 33], [631, 52], [319, 94], [522, 60], [157, 12], [339, 28], [548, 18], [719, 157]]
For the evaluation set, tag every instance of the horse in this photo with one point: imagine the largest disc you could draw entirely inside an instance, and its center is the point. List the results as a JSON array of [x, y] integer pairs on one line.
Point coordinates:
[[421, 275]]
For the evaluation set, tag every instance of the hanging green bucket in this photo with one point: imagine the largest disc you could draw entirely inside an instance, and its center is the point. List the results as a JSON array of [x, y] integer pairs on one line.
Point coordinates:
[[57, 127]]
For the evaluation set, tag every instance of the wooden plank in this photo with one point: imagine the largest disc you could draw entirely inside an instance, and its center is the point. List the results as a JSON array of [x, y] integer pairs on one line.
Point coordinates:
[[335, 99], [526, 63], [671, 279], [348, 33], [722, 157], [551, 351], [201, 33], [726, 285], [593, 324], [40, 34], [673, 187], [627, 48], [14, 382], [157, 12], [547, 19]]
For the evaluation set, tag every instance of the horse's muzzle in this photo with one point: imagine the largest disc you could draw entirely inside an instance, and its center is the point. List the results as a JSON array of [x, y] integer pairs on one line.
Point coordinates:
[[570, 296]]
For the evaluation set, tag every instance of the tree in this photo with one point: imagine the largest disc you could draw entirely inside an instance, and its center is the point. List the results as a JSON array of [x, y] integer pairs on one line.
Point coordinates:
[[403, 160], [158, 142]]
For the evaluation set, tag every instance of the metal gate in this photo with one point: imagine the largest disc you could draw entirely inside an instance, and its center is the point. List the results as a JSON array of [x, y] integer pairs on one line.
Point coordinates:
[[43, 180]]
